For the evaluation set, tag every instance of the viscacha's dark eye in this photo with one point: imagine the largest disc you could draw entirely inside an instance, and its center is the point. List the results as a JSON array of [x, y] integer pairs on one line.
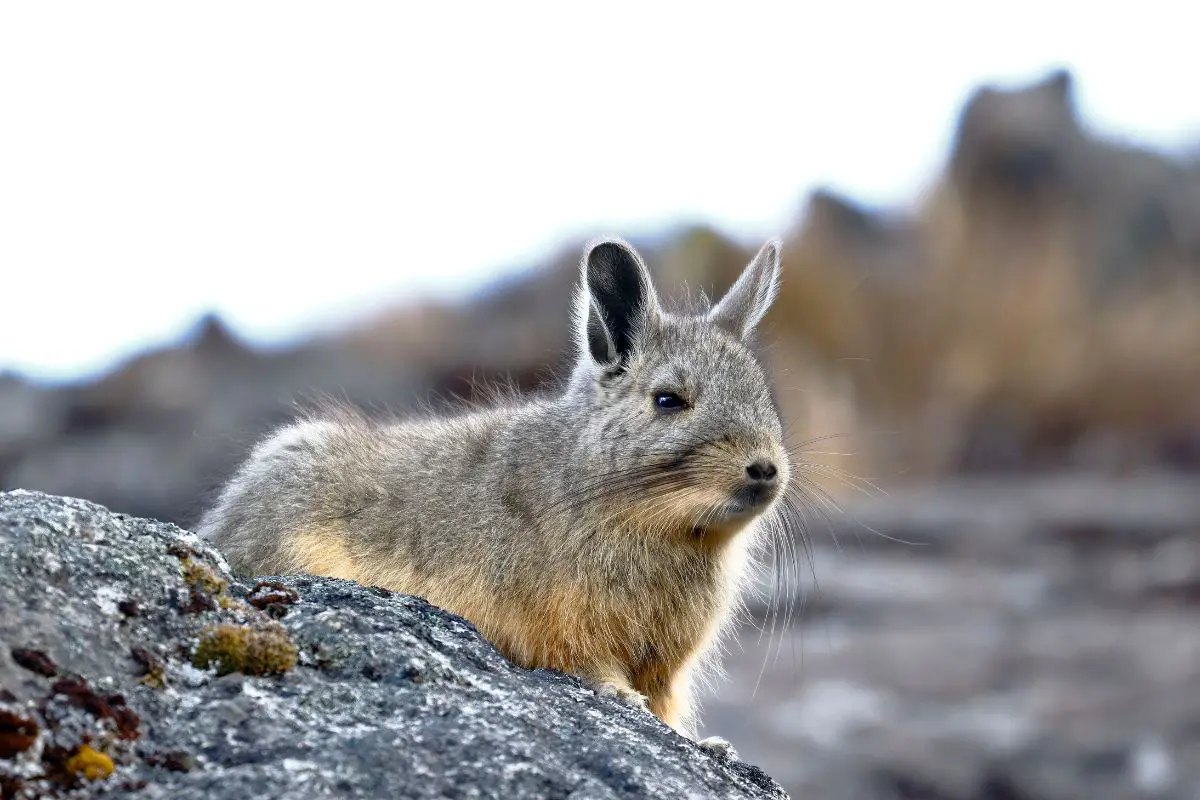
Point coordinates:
[[669, 401]]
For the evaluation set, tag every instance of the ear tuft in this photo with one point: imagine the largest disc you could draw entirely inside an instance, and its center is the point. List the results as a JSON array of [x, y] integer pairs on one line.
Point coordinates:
[[617, 298], [749, 299]]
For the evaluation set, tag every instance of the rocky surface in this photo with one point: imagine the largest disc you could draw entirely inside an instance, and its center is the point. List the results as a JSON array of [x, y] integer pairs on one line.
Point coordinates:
[[133, 665], [986, 640], [1033, 639]]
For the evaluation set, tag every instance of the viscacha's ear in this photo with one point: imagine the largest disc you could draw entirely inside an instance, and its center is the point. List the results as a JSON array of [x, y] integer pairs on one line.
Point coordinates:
[[615, 301], [749, 299]]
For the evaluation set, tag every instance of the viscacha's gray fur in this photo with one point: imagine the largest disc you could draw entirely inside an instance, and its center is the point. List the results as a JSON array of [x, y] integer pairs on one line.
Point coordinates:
[[604, 531]]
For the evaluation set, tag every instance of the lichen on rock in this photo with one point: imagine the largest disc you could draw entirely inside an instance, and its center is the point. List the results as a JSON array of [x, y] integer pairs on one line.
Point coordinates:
[[89, 764], [263, 650]]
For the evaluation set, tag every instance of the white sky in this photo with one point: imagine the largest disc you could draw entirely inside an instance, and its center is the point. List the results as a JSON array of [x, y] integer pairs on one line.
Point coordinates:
[[294, 164]]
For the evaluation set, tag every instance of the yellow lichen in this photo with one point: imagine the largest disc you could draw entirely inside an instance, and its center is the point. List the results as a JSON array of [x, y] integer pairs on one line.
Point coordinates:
[[228, 603], [89, 763], [155, 678], [261, 650], [201, 576]]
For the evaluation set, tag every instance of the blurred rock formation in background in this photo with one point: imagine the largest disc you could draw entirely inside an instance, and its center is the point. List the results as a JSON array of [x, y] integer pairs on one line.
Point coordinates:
[[1039, 308]]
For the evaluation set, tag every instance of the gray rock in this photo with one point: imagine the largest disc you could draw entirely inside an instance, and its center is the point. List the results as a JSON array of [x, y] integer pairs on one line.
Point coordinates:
[[388, 697]]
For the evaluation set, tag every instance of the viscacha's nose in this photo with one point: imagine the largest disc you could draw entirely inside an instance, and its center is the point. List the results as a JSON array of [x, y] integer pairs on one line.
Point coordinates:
[[761, 472]]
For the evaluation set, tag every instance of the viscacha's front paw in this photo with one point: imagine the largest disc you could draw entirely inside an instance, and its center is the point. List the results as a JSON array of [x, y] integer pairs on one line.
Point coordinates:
[[629, 697], [721, 748]]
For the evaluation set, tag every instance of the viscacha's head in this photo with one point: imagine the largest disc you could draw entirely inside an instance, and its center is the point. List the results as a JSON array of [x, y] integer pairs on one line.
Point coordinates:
[[682, 430]]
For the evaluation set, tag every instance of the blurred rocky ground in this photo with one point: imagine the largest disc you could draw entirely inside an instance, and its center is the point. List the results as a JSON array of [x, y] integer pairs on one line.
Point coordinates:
[[982, 639], [1030, 325]]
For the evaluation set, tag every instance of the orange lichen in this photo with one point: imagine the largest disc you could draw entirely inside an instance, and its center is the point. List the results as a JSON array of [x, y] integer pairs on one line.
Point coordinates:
[[90, 764]]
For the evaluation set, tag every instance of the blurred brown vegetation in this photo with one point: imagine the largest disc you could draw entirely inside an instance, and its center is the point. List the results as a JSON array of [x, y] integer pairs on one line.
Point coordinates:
[[1038, 309]]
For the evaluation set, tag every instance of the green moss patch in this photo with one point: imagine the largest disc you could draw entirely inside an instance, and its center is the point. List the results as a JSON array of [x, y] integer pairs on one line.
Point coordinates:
[[265, 650]]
